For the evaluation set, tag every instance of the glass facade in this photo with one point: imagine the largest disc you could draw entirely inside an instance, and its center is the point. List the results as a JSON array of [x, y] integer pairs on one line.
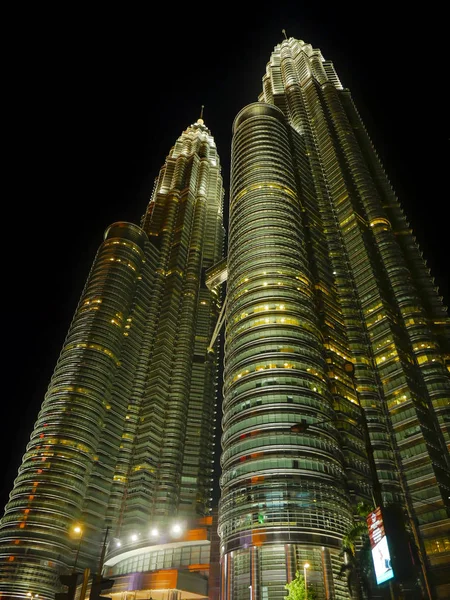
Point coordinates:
[[125, 433], [324, 274], [167, 557]]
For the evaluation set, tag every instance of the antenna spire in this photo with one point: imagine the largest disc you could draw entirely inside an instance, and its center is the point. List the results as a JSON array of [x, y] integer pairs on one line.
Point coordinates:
[[200, 119], [284, 31]]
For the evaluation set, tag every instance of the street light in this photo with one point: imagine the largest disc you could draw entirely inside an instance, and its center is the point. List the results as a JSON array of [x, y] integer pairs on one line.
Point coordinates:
[[77, 530], [305, 566], [303, 425]]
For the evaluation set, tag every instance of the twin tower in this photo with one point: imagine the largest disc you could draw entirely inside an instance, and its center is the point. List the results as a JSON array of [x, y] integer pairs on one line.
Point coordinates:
[[335, 372]]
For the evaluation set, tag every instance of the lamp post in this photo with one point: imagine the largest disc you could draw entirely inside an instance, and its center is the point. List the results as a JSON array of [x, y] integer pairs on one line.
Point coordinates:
[[78, 531], [305, 566]]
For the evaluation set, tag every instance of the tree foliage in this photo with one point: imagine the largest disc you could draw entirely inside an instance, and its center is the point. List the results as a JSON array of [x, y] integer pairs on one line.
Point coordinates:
[[358, 567], [297, 589]]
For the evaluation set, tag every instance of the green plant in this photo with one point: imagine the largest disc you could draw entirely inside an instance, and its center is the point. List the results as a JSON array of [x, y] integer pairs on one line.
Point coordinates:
[[297, 589], [358, 566]]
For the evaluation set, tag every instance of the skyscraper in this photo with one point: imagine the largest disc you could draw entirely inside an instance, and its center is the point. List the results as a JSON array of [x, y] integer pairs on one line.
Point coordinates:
[[335, 377], [336, 374], [125, 434]]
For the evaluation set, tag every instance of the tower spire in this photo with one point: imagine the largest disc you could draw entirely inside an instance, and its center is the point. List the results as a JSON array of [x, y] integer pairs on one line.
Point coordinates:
[[284, 31], [200, 119]]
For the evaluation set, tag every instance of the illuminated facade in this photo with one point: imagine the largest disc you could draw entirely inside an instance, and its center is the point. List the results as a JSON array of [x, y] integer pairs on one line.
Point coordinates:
[[125, 434], [336, 380], [164, 564]]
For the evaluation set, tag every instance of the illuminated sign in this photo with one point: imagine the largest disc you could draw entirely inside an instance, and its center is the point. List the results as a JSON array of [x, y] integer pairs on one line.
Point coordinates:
[[380, 549]]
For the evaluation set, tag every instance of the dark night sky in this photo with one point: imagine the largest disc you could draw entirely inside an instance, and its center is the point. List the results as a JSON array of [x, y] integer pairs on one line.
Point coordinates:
[[96, 98]]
